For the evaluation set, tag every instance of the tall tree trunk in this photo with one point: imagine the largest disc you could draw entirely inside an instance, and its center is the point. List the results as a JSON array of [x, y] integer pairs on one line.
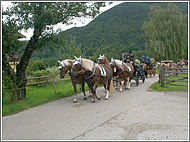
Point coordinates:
[[21, 67]]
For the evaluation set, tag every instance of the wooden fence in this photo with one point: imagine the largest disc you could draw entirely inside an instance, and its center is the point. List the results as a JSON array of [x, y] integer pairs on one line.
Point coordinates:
[[165, 75], [45, 80]]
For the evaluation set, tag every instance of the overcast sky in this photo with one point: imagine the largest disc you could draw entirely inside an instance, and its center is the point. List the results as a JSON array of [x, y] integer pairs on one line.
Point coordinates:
[[80, 22]]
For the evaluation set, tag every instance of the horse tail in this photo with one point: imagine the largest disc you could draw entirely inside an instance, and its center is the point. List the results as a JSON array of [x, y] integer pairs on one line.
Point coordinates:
[[112, 89]]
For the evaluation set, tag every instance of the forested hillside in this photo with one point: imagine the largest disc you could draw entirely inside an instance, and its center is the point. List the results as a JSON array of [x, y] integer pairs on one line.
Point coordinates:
[[113, 31], [118, 28]]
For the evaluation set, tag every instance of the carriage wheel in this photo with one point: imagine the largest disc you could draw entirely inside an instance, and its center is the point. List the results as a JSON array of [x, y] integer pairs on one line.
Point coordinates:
[[137, 82], [150, 73], [143, 78], [154, 72]]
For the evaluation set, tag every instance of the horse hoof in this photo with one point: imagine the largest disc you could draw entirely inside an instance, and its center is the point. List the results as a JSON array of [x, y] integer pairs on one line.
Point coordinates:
[[106, 98], [92, 101], [85, 98], [98, 98], [74, 101]]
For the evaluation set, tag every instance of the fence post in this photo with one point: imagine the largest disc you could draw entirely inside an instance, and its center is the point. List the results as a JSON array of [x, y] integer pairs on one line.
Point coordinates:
[[161, 75], [54, 85]]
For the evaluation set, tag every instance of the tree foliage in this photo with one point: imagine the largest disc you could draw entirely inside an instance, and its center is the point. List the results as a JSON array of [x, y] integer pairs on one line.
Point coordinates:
[[165, 33], [39, 15]]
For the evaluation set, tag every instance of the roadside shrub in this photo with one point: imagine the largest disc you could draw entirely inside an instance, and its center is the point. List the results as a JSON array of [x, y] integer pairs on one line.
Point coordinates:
[[39, 73], [38, 65], [53, 70], [34, 66]]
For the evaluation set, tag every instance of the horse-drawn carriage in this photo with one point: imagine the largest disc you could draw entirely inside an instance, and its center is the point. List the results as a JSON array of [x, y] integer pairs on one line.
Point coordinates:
[[150, 68], [139, 72]]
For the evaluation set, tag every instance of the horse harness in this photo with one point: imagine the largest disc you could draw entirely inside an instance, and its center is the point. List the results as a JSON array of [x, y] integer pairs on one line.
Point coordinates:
[[116, 79], [83, 72]]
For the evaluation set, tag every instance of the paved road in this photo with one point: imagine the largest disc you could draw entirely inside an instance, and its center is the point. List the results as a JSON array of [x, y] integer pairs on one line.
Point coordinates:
[[135, 114]]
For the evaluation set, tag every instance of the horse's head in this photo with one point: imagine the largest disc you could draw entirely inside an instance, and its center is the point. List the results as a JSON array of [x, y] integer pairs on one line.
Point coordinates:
[[62, 69], [76, 66], [101, 59], [112, 63]]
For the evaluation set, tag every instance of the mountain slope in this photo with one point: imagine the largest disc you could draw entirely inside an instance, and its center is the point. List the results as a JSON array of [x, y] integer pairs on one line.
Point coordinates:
[[118, 28]]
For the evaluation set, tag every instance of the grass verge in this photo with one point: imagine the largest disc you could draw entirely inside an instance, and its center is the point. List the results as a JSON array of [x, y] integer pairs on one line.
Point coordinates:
[[37, 95], [166, 87]]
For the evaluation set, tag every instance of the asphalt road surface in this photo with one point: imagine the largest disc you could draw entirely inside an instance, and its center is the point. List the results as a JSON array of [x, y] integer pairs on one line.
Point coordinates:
[[135, 114]]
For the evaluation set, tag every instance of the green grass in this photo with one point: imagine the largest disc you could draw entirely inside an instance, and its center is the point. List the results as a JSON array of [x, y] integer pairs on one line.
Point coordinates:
[[168, 87], [38, 95]]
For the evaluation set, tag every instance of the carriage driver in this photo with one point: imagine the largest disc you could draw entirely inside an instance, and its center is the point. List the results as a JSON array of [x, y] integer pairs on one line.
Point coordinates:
[[122, 56], [127, 59], [147, 61], [143, 58], [132, 58], [132, 61]]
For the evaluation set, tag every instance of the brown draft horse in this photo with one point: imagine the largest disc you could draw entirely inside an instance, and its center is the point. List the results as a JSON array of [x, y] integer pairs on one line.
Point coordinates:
[[125, 72], [65, 66], [94, 77], [103, 60], [145, 69]]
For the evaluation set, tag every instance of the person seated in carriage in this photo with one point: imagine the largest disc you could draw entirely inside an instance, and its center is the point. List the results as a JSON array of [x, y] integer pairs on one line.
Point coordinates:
[[132, 61], [143, 58], [122, 56], [147, 61], [132, 58], [127, 59]]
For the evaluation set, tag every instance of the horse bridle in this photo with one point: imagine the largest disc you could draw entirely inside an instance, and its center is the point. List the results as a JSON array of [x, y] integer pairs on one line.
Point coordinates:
[[61, 67], [77, 73]]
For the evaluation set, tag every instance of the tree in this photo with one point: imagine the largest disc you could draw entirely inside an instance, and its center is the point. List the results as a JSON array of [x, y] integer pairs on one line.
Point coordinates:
[[39, 15], [10, 40], [165, 33], [73, 48]]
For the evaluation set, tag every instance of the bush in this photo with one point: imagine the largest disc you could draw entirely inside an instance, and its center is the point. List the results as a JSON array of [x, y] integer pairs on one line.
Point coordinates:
[[35, 65], [39, 73], [53, 70]]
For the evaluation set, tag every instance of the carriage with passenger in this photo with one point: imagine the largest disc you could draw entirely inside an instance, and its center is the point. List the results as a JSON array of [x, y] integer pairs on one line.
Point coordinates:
[[139, 72], [149, 68]]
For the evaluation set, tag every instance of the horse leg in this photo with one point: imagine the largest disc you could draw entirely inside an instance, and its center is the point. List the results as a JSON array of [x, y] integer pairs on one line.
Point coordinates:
[[75, 90], [128, 83], [125, 83], [93, 93], [95, 87], [116, 84], [120, 86], [84, 91], [108, 88], [90, 91], [105, 87]]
